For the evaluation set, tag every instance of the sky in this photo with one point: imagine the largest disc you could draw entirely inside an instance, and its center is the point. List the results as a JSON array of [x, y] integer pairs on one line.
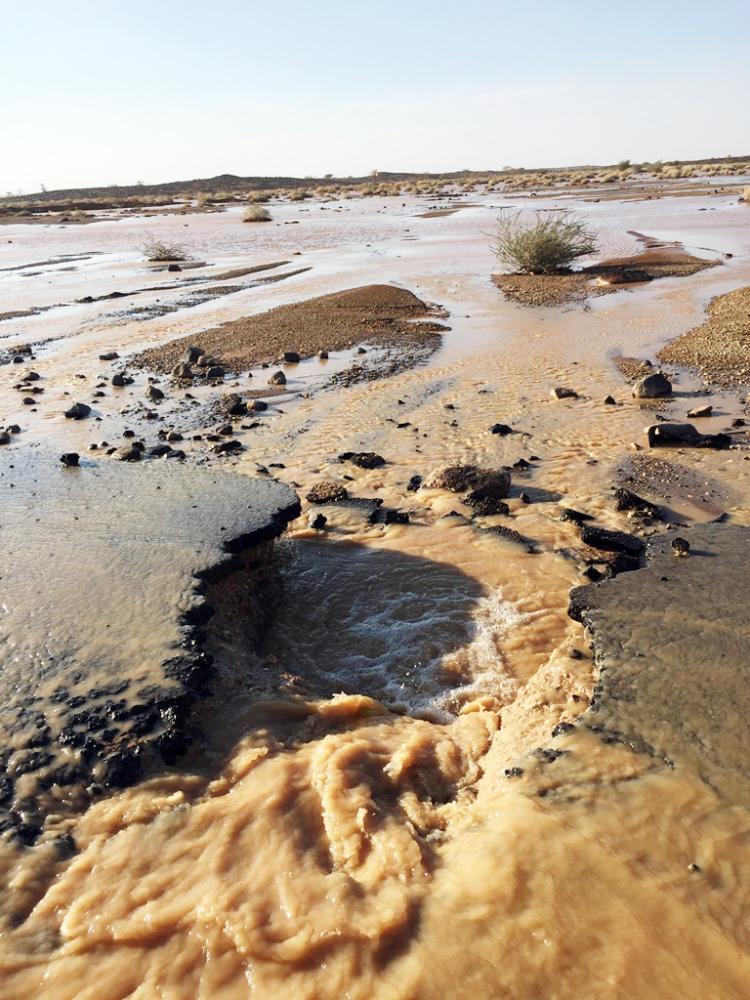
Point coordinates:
[[106, 92]]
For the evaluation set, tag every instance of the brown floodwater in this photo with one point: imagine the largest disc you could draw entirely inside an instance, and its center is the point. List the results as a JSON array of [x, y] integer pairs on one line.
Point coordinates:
[[383, 803]]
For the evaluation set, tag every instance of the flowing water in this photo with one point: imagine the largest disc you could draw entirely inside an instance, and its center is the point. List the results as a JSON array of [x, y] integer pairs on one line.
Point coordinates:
[[378, 807]]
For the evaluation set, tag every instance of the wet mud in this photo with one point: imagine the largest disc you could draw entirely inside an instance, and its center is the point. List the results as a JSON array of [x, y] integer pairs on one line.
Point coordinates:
[[102, 614]]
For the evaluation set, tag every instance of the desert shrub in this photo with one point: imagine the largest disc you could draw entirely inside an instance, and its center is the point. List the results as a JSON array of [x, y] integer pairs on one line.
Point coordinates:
[[256, 213], [746, 195], [549, 244], [157, 251]]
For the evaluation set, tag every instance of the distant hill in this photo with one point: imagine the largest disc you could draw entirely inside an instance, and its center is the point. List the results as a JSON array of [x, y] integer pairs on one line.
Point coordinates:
[[233, 183]]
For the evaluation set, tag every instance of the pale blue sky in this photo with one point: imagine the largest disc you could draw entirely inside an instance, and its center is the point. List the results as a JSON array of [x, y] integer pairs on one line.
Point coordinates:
[[98, 92]]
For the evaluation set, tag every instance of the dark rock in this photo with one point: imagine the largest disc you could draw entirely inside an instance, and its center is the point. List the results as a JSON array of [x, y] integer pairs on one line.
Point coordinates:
[[483, 483], [362, 459], [610, 401], [291, 357], [127, 453], [414, 483], [563, 392], [323, 355], [386, 515], [627, 500], [234, 405], [611, 541], [317, 521], [681, 546], [257, 406], [684, 436], [501, 429], [69, 459], [159, 450], [78, 411], [30, 401], [486, 506], [652, 386], [4, 437], [327, 492], [511, 535], [154, 393], [120, 379], [228, 447], [215, 371], [174, 267], [700, 411], [109, 356], [192, 354], [174, 436], [278, 378], [31, 377]]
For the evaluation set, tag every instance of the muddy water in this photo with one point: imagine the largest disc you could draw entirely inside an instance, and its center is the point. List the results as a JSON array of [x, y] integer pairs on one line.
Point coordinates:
[[380, 808]]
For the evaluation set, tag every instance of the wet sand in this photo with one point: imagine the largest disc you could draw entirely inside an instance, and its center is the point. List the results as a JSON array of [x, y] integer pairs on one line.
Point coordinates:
[[402, 792]]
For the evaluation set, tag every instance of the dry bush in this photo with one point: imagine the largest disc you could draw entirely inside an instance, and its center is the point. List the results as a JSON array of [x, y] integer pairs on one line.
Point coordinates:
[[548, 245], [157, 251], [256, 213]]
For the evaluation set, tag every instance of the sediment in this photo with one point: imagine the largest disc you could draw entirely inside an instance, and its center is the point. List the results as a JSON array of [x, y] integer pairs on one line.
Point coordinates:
[[380, 315], [670, 646], [720, 347]]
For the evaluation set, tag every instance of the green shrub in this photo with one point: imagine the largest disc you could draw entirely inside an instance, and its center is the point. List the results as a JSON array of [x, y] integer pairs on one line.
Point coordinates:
[[549, 244]]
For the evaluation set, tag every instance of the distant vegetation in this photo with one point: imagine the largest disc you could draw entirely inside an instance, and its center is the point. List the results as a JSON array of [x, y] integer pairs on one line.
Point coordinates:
[[212, 194], [156, 251], [548, 245], [256, 213]]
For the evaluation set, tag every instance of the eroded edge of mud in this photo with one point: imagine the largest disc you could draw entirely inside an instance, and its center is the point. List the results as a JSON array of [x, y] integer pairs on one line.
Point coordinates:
[[165, 719]]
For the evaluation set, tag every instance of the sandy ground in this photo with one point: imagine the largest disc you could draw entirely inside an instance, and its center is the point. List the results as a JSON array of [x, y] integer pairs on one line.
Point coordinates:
[[718, 348], [378, 315]]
